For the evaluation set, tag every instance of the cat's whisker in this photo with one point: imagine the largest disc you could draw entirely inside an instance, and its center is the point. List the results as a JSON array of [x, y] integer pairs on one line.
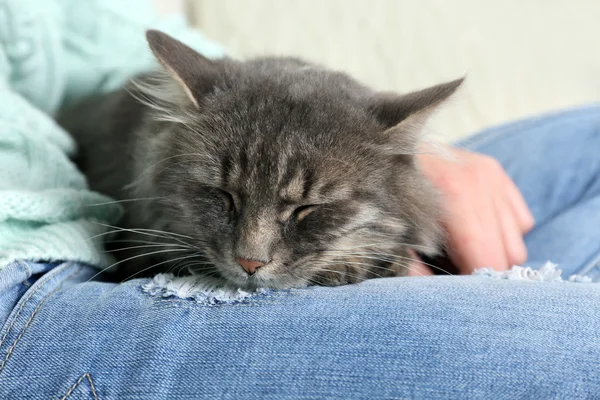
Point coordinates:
[[136, 241], [127, 230], [191, 271], [312, 282], [176, 268], [172, 267], [361, 246], [359, 266], [132, 258], [210, 265], [156, 265], [124, 201], [300, 262], [388, 244], [341, 273], [146, 230], [393, 258], [373, 244], [385, 257], [358, 250], [402, 264], [406, 266], [409, 267], [146, 246]]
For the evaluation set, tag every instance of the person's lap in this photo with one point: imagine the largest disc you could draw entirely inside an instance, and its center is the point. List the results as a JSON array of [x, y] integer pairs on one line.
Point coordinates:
[[428, 337], [421, 337]]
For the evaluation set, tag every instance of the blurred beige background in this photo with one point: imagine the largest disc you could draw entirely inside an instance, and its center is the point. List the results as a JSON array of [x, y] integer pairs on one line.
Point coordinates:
[[521, 57]]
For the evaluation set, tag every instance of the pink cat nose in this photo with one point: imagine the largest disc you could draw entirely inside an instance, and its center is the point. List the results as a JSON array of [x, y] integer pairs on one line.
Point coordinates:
[[250, 266]]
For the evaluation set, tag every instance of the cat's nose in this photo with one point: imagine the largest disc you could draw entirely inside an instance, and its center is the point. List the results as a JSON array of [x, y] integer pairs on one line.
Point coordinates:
[[250, 266]]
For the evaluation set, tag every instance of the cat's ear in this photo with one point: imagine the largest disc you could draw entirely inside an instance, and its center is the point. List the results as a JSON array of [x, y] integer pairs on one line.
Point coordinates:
[[405, 115], [195, 73]]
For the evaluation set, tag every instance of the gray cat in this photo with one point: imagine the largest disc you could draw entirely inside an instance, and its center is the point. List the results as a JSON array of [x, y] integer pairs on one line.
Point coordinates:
[[272, 172]]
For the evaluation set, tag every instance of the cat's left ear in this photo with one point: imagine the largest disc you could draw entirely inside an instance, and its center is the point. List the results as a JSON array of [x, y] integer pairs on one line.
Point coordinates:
[[195, 73], [405, 115]]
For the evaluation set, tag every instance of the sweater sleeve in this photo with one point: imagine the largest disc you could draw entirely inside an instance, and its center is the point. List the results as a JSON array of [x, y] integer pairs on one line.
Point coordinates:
[[46, 211], [105, 42], [52, 52]]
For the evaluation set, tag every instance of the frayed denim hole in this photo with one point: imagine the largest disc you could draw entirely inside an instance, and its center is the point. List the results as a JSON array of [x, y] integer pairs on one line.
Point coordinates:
[[547, 273], [200, 291]]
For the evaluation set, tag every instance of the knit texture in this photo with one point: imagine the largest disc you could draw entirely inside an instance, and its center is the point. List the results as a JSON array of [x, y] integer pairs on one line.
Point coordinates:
[[52, 53]]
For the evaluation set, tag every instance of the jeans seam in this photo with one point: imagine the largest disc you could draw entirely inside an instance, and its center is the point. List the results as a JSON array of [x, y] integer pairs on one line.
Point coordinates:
[[33, 314], [25, 267], [28, 273], [485, 138], [594, 263], [24, 302], [74, 386]]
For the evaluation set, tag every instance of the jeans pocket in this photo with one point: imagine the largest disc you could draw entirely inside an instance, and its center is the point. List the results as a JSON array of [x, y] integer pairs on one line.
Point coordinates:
[[15, 280], [17, 354]]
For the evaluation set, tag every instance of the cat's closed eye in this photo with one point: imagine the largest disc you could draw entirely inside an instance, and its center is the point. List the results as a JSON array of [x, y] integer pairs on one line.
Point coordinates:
[[303, 211], [228, 200]]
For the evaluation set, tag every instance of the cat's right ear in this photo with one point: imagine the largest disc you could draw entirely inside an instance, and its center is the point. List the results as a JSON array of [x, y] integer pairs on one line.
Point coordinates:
[[405, 115], [195, 73]]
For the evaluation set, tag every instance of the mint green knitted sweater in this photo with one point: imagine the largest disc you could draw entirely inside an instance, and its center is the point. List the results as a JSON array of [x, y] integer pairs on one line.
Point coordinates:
[[54, 52]]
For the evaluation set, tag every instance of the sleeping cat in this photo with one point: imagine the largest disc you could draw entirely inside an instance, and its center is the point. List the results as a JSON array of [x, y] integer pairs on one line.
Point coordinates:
[[272, 172]]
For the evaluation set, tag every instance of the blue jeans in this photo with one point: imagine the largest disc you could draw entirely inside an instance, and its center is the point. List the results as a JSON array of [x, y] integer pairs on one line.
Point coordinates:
[[442, 337]]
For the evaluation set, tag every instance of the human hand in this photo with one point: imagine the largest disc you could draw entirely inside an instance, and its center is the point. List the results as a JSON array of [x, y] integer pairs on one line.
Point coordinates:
[[486, 215]]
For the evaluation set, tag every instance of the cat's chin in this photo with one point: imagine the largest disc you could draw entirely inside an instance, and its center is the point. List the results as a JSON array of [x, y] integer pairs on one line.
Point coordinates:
[[256, 282]]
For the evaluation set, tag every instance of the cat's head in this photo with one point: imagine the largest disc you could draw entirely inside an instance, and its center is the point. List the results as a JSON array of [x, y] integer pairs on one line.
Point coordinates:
[[285, 173]]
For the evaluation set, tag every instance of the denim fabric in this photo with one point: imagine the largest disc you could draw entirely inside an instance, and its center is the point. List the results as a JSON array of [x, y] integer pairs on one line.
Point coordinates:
[[443, 337], [15, 280]]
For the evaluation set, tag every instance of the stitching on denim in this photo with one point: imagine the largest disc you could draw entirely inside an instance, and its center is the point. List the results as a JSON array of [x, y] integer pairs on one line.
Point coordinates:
[[11, 349], [25, 267], [486, 138], [89, 376], [594, 263], [27, 270], [73, 387], [24, 303], [81, 378], [50, 276]]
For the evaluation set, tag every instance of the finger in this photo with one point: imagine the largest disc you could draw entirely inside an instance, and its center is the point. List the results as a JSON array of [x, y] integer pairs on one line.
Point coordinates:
[[524, 217], [492, 232], [474, 236], [512, 237], [416, 267]]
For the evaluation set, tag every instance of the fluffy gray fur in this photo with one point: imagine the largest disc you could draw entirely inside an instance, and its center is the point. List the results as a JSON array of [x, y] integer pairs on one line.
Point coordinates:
[[273, 159]]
